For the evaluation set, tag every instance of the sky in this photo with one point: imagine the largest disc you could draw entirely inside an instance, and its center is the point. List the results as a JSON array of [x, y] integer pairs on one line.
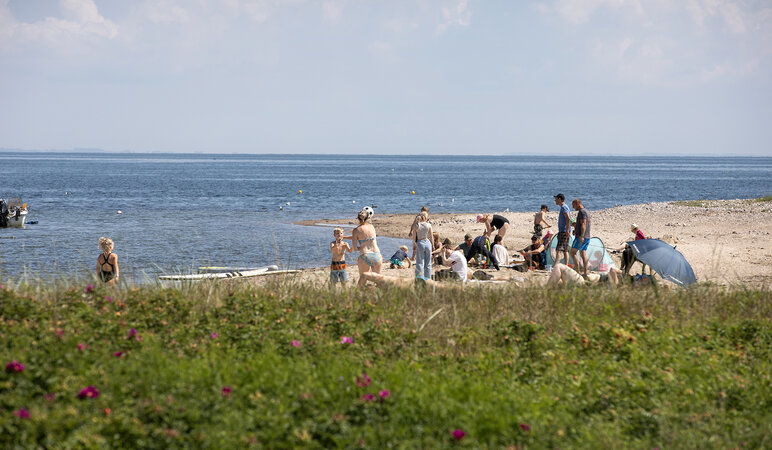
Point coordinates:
[[608, 77]]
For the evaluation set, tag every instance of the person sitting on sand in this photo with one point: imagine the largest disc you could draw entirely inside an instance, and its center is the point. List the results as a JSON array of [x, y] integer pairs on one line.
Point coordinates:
[[399, 258], [107, 263], [363, 238], [339, 248], [540, 220], [466, 246], [499, 251], [533, 253], [456, 260], [494, 222], [441, 254]]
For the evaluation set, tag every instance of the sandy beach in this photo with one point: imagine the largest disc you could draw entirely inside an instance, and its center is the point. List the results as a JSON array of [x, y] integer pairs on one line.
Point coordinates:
[[725, 241]]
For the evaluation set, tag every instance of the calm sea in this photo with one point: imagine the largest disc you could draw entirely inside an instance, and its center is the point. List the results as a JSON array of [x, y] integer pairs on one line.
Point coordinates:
[[184, 211]]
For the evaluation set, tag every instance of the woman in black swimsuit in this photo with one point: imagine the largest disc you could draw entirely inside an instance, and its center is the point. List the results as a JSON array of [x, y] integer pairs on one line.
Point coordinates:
[[107, 262], [494, 222]]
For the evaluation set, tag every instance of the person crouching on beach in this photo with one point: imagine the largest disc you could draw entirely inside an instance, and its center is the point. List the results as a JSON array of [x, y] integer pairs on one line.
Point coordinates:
[[107, 262], [363, 238], [339, 248], [399, 258]]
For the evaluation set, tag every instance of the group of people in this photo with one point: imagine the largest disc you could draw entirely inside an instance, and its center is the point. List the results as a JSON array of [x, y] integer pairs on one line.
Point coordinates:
[[429, 250]]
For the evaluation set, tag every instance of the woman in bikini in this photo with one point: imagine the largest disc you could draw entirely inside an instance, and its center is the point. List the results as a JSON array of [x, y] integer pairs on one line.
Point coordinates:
[[107, 262], [363, 238]]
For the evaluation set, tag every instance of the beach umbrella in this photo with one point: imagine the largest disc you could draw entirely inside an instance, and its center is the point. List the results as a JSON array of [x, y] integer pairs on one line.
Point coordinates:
[[668, 262]]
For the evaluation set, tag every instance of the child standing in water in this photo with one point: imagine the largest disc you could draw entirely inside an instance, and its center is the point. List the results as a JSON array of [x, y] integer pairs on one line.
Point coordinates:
[[339, 248]]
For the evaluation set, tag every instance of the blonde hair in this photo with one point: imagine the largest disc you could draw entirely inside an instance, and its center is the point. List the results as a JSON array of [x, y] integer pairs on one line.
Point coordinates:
[[403, 248], [105, 244], [337, 231], [423, 217]]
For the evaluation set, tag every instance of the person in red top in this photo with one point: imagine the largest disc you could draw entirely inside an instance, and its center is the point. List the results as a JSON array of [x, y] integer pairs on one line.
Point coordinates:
[[628, 257]]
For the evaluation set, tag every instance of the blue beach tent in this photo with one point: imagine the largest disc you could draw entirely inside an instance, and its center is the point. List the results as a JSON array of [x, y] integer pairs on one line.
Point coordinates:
[[598, 257]]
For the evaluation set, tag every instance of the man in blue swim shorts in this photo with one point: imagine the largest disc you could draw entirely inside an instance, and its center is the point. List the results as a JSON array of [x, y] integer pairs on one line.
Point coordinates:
[[581, 235]]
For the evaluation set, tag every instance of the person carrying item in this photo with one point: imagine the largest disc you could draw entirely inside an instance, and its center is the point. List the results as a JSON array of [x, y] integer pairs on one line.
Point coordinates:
[[398, 259]]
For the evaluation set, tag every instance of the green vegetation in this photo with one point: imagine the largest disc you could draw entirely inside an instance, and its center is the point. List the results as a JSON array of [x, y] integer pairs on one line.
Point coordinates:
[[766, 198], [695, 203], [231, 366]]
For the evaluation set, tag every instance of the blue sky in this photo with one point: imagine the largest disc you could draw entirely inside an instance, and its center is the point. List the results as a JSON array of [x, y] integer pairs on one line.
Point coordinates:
[[617, 77]]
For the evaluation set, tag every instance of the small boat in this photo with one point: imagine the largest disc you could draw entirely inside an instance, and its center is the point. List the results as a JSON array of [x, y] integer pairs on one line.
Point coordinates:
[[13, 213], [270, 270]]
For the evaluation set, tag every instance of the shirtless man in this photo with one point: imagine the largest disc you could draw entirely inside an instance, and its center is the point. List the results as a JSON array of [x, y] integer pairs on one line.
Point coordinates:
[[339, 248], [540, 220]]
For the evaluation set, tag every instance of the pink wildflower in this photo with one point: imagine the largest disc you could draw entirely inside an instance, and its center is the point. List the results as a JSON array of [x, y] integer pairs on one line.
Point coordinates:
[[346, 340], [59, 332], [132, 332], [89, 288], [118, 354], [368, 397], [22, 413], [82, 346], [384, 394], [525, 427], [214, 335], [295, 343], [364, 381], [226, 391], [14, 366], [88, 392], [458, 434], [51, 397], [109, 299]]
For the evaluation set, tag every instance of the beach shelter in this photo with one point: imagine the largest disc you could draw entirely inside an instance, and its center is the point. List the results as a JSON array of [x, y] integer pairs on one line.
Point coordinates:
[[668, 262], [598, 257]]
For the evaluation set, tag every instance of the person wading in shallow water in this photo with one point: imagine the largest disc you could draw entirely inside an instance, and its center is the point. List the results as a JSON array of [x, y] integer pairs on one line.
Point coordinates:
[[107, 262]]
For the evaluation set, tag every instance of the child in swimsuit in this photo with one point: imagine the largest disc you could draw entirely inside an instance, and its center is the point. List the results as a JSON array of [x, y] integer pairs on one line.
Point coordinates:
[[107, 262], [339, 248]]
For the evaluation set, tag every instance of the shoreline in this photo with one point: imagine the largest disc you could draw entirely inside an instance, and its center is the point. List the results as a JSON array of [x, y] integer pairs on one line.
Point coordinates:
[[723, 240]]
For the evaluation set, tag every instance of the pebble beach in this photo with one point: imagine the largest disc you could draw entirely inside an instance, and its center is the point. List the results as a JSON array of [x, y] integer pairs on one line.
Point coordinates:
[[725, 241]]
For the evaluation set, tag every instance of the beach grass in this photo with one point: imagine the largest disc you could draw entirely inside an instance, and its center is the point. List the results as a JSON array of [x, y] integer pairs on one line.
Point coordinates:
[[291, 365]]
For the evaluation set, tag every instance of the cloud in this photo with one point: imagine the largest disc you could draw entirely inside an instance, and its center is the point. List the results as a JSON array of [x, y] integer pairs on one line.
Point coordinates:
[[579, 11], [456, 15], [166, 11], [81, 20], [332, 11]]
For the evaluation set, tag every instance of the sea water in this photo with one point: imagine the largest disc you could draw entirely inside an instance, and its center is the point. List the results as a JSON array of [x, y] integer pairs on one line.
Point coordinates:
[[182, 211]]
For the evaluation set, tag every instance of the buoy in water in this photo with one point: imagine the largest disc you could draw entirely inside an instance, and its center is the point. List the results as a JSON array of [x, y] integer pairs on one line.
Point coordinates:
[[300, 191], [412, 192]]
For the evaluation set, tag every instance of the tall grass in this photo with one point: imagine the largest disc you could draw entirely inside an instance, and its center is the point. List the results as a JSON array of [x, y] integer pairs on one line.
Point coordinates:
[[581, 367]]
